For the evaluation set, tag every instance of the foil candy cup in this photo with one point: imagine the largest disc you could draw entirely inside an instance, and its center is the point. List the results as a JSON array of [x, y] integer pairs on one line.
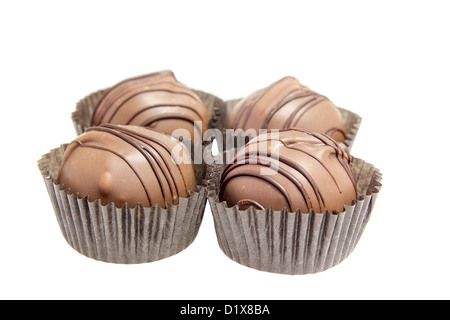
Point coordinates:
[[122, 235], [293, 242]]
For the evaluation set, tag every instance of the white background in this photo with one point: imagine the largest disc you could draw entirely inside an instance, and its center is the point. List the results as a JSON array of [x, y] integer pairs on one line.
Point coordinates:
[[385, 60]]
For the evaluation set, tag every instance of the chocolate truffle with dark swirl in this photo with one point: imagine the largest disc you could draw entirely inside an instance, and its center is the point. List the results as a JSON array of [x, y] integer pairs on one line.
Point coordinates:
[[288, 104], [157, 101], [127, 164], [293, 169]]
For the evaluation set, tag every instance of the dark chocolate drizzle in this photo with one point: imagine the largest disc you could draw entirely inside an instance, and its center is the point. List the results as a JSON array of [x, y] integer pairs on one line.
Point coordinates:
[[86, 145], [284, 101], [249, 202], [145, 145], [127, 90], [246, 157], [248, 107]]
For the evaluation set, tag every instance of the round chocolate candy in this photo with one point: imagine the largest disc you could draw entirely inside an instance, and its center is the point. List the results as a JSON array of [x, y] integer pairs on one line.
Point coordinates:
[[293, 169], [157, 101], [288, 104], [127, 164]]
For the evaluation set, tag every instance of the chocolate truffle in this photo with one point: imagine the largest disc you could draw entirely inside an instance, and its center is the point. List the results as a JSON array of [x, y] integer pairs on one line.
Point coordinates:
[[288, 104], [127, 164], [157, 101], [293, 169]]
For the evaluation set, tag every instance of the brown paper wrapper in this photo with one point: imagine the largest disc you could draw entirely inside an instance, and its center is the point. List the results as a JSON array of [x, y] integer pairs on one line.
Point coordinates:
[[84, 111], [293, 242], [123, 235], [351, 120]]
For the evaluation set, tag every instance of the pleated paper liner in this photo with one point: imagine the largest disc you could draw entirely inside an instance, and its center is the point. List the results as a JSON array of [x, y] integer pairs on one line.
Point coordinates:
[[351, 120], [123, 235], [293, 242], [84, 111]]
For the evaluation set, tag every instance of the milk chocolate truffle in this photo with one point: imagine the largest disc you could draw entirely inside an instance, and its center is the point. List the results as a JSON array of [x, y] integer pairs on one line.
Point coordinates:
[[293, 169], [157, 101], [288, 104], [127, 164]]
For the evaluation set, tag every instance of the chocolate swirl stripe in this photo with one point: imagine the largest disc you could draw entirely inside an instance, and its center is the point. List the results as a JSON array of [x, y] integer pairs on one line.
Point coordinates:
[[304, 107], [155, 141], [293, 94], [255, 175], [244, 112], [119, 106], [287, 104], [289, 98], [87, 145], [341, 152], [245, 202], [138, 147], [151, 101], [267, 162], [131, 82], [150, 154], [146, 108], [177, 116], [273, 182], [145, 139], [310, 170], [331, 131], [164, 167], [304, 152]]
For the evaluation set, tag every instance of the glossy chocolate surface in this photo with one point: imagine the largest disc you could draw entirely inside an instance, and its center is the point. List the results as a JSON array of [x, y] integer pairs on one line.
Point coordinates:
[[157, 101], [127, 164], [288, 104], [293, 169]]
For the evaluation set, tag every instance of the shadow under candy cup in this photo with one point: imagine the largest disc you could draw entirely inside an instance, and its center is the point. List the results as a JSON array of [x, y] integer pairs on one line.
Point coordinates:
[[123, 235], [293, 242]]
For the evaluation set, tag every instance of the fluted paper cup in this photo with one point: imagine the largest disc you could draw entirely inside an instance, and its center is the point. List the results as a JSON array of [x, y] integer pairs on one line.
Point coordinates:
[[293, 242], [123, 235]]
